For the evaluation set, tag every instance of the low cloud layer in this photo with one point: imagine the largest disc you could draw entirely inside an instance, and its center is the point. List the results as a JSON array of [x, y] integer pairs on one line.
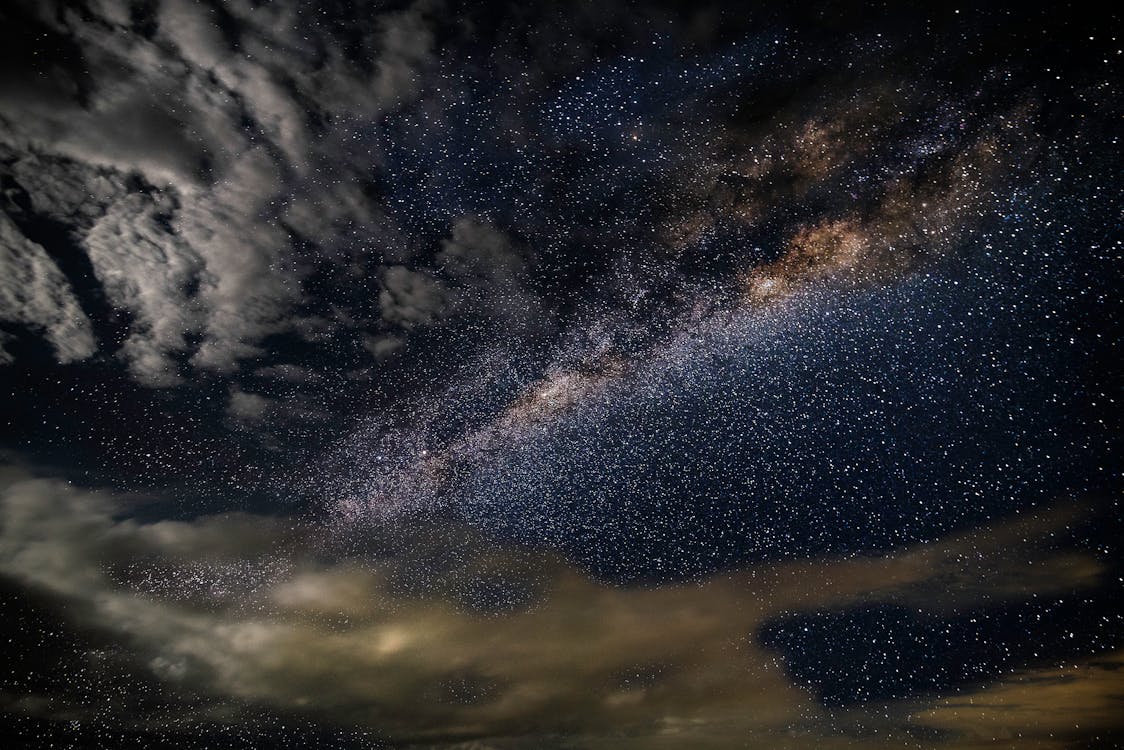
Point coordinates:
[[425, 644]]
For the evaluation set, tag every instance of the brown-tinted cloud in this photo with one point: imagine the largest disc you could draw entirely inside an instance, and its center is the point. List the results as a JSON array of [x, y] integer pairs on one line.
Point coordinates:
[[429, 642]]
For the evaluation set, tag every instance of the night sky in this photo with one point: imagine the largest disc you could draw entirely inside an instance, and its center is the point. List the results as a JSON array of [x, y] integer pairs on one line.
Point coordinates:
[[503, 376]]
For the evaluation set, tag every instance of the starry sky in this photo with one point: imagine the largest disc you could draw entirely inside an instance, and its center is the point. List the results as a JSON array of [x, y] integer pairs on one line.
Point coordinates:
[[585, 375]]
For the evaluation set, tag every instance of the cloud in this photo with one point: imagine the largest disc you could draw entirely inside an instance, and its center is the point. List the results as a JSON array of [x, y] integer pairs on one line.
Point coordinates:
[[106, 104], [194, 29], [1056, 707], [428, 637], [248, 407], [489, 276], [210, 112], [198, 270], [243, 284], [406, 53], [147, 269], [151, 249], [479, 277], [411, 298], [35, 293], [381, 346], [345, 221]]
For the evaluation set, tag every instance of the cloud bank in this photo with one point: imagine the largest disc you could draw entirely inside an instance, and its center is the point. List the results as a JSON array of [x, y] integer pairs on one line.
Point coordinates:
[[427, 644]]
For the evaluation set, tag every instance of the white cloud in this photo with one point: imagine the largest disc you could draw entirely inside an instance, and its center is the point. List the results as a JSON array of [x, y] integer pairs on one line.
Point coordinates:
[[34, 292], [147, 269], [201, 256], [245, 285]]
